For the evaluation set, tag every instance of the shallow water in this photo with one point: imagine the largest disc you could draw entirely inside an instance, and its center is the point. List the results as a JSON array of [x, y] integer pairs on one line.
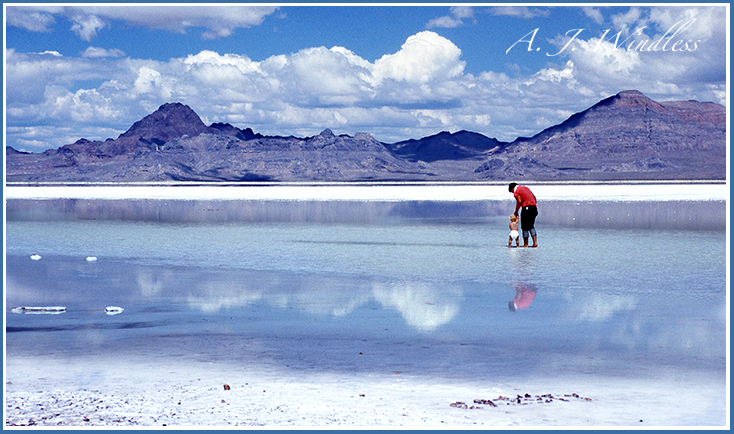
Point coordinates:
[[420, 288]]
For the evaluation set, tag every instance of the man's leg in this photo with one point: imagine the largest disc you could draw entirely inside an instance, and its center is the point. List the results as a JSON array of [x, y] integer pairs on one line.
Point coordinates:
[[534, 234]]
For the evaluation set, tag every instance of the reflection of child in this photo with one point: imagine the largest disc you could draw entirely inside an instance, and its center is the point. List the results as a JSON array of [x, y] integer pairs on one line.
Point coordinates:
[[514, 234]]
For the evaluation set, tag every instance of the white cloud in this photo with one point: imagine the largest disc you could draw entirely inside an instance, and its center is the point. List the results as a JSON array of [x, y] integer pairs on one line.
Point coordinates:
[[420, 89], [423, 57], [462, 11], [35, 19], [102, 52], [519, 11], [446, 21], [87, 26], [600, 60], [625, 58], [628, 21], [553, 75], [325, 76], [220, 21], [89, 20], [593, 13], [456, 18], [706, 21], [243, 64]]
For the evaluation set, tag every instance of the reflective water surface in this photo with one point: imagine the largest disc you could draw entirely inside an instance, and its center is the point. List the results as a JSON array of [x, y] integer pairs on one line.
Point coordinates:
[[410, 287]]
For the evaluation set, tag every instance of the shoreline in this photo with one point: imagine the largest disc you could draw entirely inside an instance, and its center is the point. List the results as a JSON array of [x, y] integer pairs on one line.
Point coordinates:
[[385, 193], [352, 183]]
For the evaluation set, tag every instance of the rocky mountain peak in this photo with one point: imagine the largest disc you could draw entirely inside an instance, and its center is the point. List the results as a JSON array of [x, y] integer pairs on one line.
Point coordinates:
[[630, 99], [170, 121]]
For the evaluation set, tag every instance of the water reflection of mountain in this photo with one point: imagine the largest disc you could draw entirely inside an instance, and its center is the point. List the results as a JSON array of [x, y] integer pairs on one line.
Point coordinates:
[[683, 215]]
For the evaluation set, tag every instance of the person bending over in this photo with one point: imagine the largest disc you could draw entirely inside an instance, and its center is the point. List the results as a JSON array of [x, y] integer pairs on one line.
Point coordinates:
[[529, 204]]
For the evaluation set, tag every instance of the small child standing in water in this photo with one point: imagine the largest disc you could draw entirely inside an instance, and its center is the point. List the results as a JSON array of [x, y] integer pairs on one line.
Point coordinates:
[[514, 234]]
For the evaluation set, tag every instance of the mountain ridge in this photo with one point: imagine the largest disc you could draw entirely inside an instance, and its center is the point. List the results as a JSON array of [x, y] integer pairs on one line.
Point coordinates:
[[624, 136]]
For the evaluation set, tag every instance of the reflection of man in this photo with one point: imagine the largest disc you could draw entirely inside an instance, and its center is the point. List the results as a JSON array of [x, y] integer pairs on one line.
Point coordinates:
[[523, 298], [526, 200]]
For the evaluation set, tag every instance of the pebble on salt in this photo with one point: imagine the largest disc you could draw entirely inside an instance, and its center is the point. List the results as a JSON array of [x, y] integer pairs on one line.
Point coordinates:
[[35, 257]]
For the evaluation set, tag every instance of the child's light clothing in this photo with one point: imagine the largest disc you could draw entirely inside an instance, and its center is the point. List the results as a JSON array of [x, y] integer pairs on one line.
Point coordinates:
[[514, 234]]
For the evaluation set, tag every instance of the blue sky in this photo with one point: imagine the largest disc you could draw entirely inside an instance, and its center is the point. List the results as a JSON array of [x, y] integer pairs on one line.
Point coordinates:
[[397, 72]]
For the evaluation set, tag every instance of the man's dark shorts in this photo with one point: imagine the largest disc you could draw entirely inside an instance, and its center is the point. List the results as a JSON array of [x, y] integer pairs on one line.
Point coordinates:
[[527, 220]]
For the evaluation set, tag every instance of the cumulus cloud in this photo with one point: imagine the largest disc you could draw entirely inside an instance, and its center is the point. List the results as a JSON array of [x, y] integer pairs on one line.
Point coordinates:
[[424, 57], [418, 90], [634, 53], [310, 89]]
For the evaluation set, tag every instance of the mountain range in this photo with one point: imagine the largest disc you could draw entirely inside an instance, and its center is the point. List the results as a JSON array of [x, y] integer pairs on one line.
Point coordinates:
[[627, 136]]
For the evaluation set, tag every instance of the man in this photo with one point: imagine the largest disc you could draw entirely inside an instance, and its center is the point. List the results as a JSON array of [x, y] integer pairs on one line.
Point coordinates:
[[526, 200]]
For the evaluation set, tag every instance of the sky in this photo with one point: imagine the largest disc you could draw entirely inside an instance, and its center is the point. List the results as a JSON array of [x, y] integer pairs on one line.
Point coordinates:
[[394, 71]]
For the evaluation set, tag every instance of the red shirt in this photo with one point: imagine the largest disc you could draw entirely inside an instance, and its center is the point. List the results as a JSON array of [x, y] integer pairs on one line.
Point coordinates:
[[523, 298], [526, 196]]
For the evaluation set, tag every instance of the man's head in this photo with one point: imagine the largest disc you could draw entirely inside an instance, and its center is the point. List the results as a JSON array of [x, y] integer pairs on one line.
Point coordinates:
[[512, 187]]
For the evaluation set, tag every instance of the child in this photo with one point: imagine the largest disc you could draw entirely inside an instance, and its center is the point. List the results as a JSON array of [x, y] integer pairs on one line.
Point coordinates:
[[514, 234]]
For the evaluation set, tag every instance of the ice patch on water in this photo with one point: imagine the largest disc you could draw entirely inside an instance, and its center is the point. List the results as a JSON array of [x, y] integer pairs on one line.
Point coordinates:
[[51, 310], [113, 310]]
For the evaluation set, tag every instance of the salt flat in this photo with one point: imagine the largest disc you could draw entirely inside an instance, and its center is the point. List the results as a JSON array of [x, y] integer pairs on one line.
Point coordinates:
[[366, 192], [158, 390], [364, 325]]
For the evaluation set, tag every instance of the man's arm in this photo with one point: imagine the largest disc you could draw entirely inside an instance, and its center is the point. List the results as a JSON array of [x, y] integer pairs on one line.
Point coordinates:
[[517, 205]]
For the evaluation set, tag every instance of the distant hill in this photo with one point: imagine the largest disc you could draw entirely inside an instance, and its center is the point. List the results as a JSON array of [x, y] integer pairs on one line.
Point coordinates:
[[626, 136], [446, 146]]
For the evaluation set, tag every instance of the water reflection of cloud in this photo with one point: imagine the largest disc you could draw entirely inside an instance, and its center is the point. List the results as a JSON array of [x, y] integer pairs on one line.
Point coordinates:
[[330, 296], [641, 330], [423, 306], [151, 281], [215, 296], [704, 339], [596, 307]]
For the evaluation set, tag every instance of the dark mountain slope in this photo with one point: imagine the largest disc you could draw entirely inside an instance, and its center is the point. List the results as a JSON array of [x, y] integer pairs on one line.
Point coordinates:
[[446, 146]]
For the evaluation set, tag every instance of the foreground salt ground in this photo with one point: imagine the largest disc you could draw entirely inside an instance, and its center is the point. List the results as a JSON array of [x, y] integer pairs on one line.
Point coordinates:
[[167, 392]]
